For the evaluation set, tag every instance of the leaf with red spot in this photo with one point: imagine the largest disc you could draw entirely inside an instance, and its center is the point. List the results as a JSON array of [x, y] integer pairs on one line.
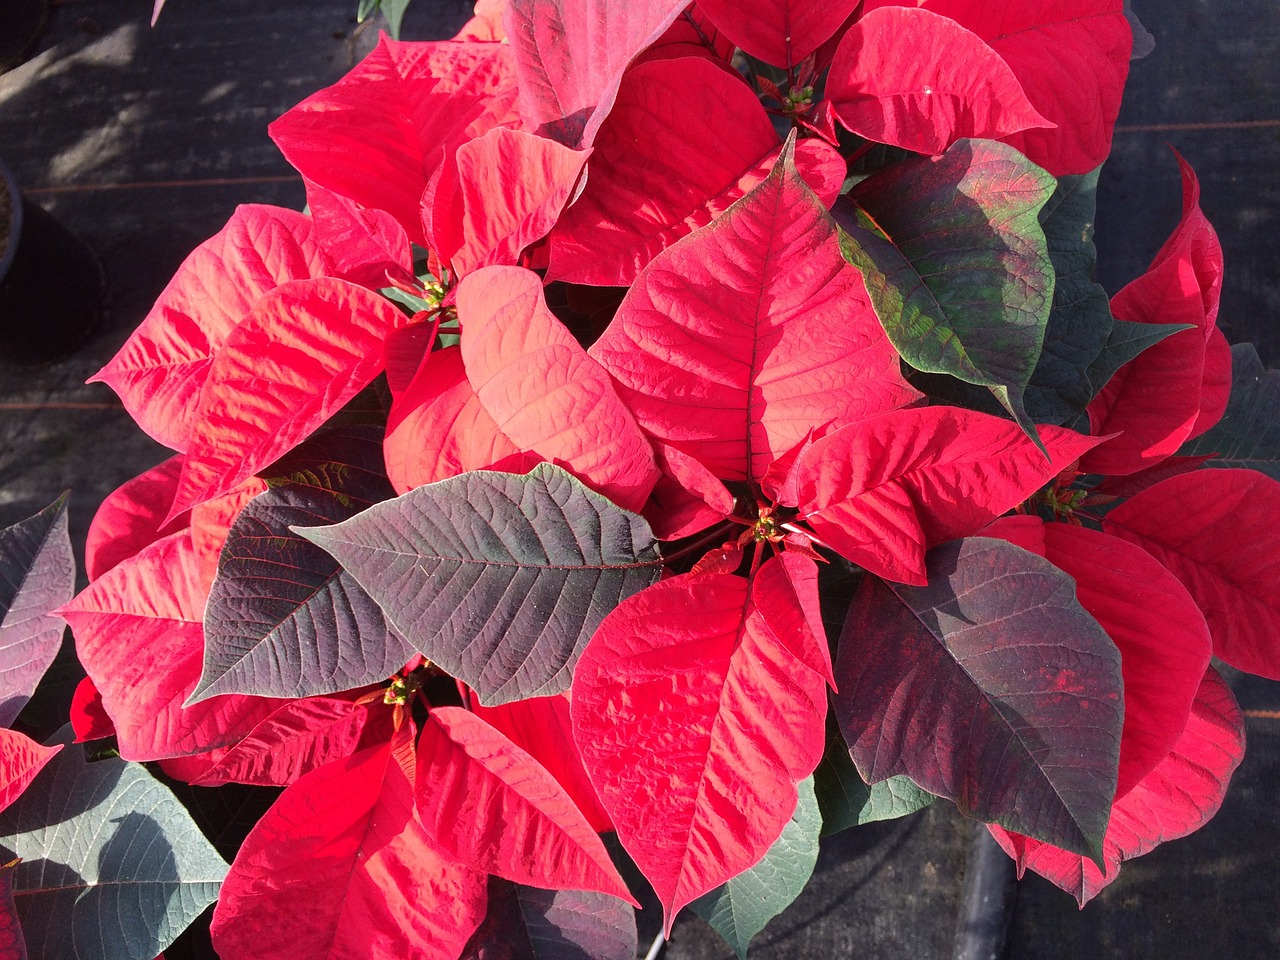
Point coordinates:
[[660, 170], [990, 686], [696, 721], [780, 32], [570, 56], [513, 186], [1177, 798], [1155, 401], [911, 78], [883, 491], [37, 575], [542, 389], [302, 352], [528, 830], [377, 135], [131, 517], [1071, 58], [738, 340], [138, 634], [541, 727], [1215, 530], [341, 866], [21, 758]]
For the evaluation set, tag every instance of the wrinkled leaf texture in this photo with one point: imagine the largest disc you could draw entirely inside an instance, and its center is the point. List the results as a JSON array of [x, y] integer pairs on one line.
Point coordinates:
[[666, 163], [500, 579], [160, 370], [992, 687], [779, 32], [37, 575], [695, 720], [21, 758], [738, 339], [1178, 797], [112, 864]]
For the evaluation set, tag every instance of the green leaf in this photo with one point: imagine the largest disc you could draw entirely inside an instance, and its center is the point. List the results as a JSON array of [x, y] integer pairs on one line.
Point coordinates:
[[500, 579], [956, 263], [1248, 435], [846, 800], [1126, 341], [366, 9], [1080, 318], [393, 10], [113, 868], [740, 908]]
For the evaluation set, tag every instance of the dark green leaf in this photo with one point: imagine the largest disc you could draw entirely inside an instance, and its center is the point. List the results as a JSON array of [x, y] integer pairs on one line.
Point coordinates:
[[393, 10], [956, 263], [740, 908], [1248, 435], [500, 579], [846, 800], [112, 866], [1126, 341], [37, 575]]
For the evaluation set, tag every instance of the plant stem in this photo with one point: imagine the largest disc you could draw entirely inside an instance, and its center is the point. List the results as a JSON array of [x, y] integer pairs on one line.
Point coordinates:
[[655, 948]]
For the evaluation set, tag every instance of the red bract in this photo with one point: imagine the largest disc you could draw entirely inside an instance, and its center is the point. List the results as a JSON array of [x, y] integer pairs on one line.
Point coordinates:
[[20, 760], [780, 32]]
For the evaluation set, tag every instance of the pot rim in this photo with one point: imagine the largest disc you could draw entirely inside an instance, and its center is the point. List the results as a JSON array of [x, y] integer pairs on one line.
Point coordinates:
[[15, 219]]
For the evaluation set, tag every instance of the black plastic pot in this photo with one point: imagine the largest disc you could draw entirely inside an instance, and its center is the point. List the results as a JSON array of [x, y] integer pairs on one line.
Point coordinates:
[[21, 24], [50, 282]]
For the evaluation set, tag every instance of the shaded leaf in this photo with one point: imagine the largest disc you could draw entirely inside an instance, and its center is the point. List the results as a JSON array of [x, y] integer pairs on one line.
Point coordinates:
[[525, 923], [992, 687], [570, 55], [658, 173], [846, 800], [695, 723], [542, 389], [756, 323], [527, 830], [283, 619], [161, 368], [1126, 341], [112, 865], [882, 491], [1215, 530], [37, 575], [500, 579], [779, 32], [302, 352], [340, 866], [740, 908], [911, 78], [13, 946], [1248, 435], [377, 135], [1080, 321], [956, 263], [1178, 797]]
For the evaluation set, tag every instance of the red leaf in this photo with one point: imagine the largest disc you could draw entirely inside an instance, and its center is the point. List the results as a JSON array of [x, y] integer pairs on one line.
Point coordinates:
[[788, 585], [513, 186], [1154, 402], [658, 172], [159, 371], [364, 246], [570, 56], [138, 633], [780, 32], [1071, 57], [1163, 639], [20, 760], [13, 945], [543, 390], [687, 497], [131, 517], [1178, 797], [758, 324], [295, 739], [1215, 530], [486, 24], [541, 727], [520, 823], [883, 491], [911, 78], [438, 428], [695, 723], [89, 719], [690, 35], [304, 351], [341, 867], [377, 135], [405, 351]]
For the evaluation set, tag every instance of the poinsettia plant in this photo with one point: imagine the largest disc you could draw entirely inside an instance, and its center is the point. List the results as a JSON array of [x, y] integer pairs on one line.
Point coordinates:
[[695, 426]]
